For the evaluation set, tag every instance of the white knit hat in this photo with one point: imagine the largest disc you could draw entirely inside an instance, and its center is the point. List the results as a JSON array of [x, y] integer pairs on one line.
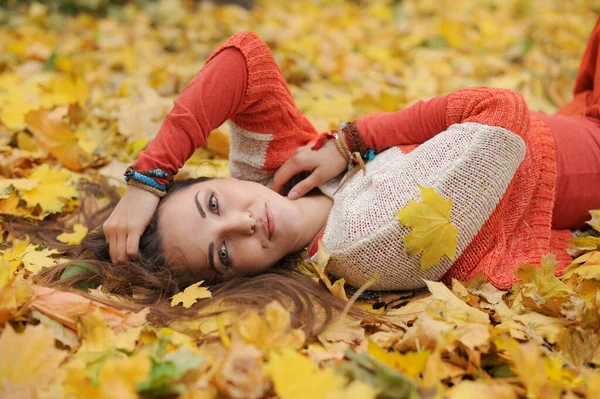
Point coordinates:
[[363, 234]]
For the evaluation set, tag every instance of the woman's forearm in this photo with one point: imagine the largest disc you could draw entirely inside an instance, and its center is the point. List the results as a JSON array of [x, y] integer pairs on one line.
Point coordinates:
[[216, 94], [424, 119]]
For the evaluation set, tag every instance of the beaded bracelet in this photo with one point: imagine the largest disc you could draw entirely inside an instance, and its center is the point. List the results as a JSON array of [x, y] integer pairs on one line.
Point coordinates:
[[146, 181], [138, 184], [355, 141]]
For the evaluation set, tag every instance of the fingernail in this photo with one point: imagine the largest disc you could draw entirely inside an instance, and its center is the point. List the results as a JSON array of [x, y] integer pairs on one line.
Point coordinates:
[[293, 195]]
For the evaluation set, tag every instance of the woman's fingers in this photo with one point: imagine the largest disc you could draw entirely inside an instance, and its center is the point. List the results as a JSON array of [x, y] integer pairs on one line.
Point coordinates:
[[296, 164], [133, 241], [112, 248], [306, 185], [122, 248]]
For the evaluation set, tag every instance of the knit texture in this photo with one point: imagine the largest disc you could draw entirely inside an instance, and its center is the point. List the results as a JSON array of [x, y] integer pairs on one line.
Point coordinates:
[[519, 230], [271, 127], [470, 163]]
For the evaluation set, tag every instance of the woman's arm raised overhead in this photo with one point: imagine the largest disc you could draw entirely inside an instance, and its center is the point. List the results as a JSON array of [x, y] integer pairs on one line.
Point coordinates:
[[216, 94], [240, 82]]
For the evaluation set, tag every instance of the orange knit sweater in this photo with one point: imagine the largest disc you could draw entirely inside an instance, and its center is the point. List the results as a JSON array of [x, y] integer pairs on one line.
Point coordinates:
[[269, 127]]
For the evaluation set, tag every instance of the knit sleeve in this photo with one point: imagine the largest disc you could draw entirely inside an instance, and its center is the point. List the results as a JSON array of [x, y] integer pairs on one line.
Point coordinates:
[[240, 82], [425, 119], [215, 94], [270, 126]]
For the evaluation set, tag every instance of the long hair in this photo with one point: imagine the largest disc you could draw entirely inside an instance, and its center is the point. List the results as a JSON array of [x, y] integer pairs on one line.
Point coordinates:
[[149, 282]]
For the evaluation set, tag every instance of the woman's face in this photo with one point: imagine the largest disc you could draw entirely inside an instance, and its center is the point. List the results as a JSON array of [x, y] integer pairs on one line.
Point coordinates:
[[224, 227]]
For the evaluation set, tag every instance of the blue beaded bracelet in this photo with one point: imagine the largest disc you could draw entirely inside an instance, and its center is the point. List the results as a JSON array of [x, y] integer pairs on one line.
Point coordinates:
[[132, 174]]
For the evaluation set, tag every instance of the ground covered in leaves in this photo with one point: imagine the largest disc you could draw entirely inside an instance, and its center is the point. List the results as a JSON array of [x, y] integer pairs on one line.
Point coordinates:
[[81, 94]]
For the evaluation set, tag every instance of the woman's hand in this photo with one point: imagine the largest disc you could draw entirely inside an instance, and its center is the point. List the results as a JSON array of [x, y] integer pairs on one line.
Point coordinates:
[[127, 223], [325, 163]]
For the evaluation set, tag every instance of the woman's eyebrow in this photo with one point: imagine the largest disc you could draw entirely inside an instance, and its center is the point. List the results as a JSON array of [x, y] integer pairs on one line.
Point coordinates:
[[211, 259], [199, 207]]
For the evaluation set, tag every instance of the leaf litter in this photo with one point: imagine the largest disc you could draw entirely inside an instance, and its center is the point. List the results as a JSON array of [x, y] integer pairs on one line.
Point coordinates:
[[81, 95]]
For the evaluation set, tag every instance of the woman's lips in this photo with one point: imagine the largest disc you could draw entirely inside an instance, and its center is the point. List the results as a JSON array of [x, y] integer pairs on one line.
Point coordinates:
[[270, 221]]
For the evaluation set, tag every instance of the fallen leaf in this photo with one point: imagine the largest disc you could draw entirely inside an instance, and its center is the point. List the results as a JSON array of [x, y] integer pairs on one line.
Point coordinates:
[[291, 372], [190, 295], [410, 364], [52, 186], [35, 258], [74, 238], [28, 361], [432, 232], [54, 135]]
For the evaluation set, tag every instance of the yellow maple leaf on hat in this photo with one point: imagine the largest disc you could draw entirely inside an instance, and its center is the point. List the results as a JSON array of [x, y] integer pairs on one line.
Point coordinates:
[[432, 233], [52, 186], [190, 295]]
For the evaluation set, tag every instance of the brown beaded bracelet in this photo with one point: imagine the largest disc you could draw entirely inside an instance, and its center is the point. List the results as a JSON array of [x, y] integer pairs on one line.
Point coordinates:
[[146, 187], [355, 141]]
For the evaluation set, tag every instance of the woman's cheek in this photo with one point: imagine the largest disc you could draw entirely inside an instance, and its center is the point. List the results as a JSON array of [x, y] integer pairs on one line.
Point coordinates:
[[252, 257]]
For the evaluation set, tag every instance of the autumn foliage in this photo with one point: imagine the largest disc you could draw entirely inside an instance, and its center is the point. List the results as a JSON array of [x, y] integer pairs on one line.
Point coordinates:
[[82, 94]]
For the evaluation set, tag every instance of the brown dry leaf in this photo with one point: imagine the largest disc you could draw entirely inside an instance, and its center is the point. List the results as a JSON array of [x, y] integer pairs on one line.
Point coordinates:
[[242, 374], [66, 307], [346, 330], [448, 307], [53, 134]]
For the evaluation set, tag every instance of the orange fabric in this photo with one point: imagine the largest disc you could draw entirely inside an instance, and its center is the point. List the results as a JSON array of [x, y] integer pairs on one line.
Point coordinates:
[[577, 141], [586, 100], [241, 82], [519, 230], [215, 94]]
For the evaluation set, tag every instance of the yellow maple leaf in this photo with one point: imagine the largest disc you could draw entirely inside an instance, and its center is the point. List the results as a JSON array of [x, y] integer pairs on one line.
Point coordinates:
[[270, 331], [52, 185], [34, 260], [297, 377], [542, 291], [74, 238], [411, 363], [190, 295], [432, 230], [28, 361], [356, 389], [118, 377], [64, 90], [595, 220]]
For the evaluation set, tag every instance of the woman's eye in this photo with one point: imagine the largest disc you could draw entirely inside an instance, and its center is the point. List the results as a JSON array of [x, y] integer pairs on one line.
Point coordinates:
[[212, 203], [223, 256]]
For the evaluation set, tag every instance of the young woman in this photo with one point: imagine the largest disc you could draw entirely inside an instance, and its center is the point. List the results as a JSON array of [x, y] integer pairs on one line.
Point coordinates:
[[518, 180]]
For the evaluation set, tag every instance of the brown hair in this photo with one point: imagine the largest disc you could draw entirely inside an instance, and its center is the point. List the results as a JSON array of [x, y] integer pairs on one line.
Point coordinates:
[[148, 282]]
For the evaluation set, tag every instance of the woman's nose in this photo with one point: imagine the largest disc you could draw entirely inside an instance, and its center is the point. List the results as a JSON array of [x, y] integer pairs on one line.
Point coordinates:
[[241, 223]]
